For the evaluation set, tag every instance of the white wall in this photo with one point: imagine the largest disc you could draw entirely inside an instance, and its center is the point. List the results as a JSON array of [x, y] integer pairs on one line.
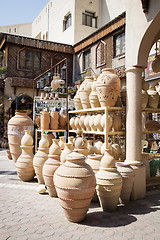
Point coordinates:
[[24, 29]]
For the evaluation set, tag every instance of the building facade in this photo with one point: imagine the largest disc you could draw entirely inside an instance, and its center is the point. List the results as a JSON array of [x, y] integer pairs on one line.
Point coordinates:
[[24, 29]]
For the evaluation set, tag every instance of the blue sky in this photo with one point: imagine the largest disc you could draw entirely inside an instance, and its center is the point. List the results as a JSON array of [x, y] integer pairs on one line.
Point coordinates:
[[20, 11]]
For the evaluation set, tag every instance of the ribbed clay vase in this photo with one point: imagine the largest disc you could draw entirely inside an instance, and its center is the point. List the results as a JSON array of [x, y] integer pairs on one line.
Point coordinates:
[[75, 185], [97, 122], [53, 120], [94, 161], [127, 174], [44, 120], [91, 123], [153, 98], [62, 142], [108, 87], [16, 129], [81, 122], [85, 90], [77, 101], [72, 123], [50, 166], [40, 157], [144, 99], [67, 150], [109, 183]]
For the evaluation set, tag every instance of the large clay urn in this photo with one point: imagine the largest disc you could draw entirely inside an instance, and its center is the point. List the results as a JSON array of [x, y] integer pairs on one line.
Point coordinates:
[[53, 120], [109, 183], [16, 129], [67, 150], [24, 164], [40, 157], [77, 100], [108, 87], [44, 120], [85, 90], [50, 166], [75, 185], [81, 122], [153, 98], [127, 174]]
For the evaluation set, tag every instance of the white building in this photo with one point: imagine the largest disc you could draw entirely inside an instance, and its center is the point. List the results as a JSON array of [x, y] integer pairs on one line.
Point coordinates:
[[24, 29]]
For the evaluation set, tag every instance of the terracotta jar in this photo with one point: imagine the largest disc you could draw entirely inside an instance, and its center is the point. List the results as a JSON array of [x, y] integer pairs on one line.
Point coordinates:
[[27, 139], [97, 146], [85, 89], [76, 122], [97, 122], [153, 98], [117, 122], [81, 122], [94, 161], [62, 119], [53, 120], [62, 142], [144, 99], [127, 174], [90, 147], [108, 87], [110, 121], [72, 123], [16, 127], [75, 185], [86, 123], [71, 141], [44, 143], [67, 150], [109, 183], [44, 120], [91, 123], [77, 100], [116, 151]]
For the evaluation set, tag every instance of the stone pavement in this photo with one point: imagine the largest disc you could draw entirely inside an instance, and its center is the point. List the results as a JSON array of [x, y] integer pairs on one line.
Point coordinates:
[[25, 214]]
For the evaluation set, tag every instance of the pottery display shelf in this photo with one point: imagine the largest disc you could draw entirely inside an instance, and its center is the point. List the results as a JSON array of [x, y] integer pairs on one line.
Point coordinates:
[[103, 110]]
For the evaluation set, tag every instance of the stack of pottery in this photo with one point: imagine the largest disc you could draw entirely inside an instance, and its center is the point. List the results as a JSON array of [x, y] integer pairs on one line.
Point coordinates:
[[85, 90], [54, 120], [67, 150], [153, 98], [44, 120], [86, 123], [94, 161], [81, 122], [72, 123], [93, 97], [40, 157], [77, 100], [109, 183], [108, 87], [24, 164], [16, 129], [50, 166], [81, 143], [75, 185], [62, 142], [127, 174]]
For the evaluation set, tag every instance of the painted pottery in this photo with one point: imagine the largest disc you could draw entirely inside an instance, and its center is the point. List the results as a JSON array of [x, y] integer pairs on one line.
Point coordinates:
[[90, 147], [97, 122], [81, 122], [77, 100], [144, 99], [108, 87], [44, 120], [27, 139], [62, 142], [109, 121], [75, 185], [67, 150], [153, 98], [53, 120], [109, 183], [16, 127], [97, 146], [86, 123], [127, 174], [44, 143], [91, 123], [72, 123]]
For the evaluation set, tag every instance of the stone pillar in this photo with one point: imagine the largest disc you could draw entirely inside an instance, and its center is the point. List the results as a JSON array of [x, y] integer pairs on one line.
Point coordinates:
[[134, 130]]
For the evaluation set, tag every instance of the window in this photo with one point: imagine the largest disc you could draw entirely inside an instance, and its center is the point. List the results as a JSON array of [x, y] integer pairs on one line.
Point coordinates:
[[15, 30], [67, 21], [89, 19], [9, 30], [119, 44], [86, 59], [33, 60], [100, 53]]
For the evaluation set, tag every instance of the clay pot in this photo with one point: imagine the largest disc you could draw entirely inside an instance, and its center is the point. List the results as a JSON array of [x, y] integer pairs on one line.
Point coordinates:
[[110, 121], [91, 123], [50, 137], [80, 142], [81, 122], [72, 123], [93, 97], [144, 99], [117, 122], [86, 123], [16, 127], [87, 84], [85, 89], [44, 143], [62, 143], [116, 151], [127, 174], [55, 84], [27, 139], [77, 101], [83, 151], [97, 147], [75, 185], [153, 98], [90, 147], [71, 141], [109, 183], [94, 161], [76, 122], [103, 147], [44, 120], [24, 164], [62, 121], [67, 150], [49, 168], [108, 87], [97, 122], [53, 120], [55, 148]]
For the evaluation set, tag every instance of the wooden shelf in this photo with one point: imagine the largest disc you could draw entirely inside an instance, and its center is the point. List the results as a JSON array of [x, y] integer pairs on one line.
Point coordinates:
[[100, 109], [150, 132], [100, 133], [49, 130], [151, 110]]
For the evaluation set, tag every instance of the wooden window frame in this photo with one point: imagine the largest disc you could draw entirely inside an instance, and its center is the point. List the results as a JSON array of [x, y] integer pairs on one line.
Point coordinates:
[[67, 22], [85, 53], [121, 44], [87, 19], [104, 54], [33, 55]]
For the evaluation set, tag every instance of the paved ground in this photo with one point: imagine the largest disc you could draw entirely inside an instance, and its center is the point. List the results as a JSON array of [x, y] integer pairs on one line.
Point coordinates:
[[25, 214]]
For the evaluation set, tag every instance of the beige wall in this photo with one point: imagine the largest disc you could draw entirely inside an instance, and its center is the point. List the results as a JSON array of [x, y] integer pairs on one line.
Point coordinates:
[[18, 29]]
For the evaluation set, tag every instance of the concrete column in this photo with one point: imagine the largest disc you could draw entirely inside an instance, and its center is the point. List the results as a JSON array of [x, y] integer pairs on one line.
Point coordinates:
[[134, 130]]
